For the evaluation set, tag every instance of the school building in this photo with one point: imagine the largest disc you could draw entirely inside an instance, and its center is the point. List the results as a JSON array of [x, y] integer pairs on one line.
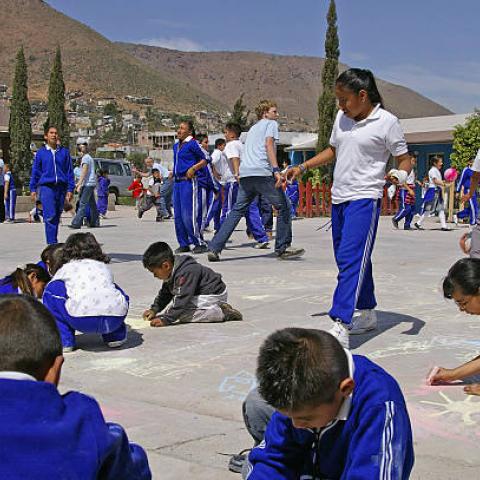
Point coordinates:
[[428, 137]]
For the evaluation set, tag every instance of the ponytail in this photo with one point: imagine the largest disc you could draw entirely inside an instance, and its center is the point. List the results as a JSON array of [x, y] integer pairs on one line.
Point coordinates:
[[20, 277], [356, 79]]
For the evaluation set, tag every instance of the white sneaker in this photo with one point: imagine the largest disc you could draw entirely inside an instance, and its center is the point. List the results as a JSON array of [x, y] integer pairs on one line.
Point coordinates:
[[261, 245], [340, 332], [117, 343], [455, 220], [364, 322]]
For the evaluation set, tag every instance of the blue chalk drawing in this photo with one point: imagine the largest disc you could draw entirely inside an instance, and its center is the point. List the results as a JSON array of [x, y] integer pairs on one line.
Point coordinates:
[[236, 387]]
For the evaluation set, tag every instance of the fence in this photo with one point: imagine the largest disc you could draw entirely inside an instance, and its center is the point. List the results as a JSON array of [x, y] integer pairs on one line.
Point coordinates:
[[316, 201]]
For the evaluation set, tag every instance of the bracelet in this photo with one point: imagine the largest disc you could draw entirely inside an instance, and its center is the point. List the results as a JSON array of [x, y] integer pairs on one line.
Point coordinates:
[[275, 170], [302, 168]]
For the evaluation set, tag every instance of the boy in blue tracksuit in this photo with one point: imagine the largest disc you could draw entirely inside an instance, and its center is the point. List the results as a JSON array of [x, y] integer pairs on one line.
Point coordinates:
[[10, 194], [339, 416], [43, 434], [190, 177], [471, 207], [52, 175]]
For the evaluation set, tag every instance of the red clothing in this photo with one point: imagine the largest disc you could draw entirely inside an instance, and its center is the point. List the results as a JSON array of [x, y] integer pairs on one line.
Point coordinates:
[[137, 188], [408, 198]]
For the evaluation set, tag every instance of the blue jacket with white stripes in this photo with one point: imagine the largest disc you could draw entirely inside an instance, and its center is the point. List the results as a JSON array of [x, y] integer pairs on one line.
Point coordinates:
[[465, 180], [50, 170], [187, 156], [374, 442]]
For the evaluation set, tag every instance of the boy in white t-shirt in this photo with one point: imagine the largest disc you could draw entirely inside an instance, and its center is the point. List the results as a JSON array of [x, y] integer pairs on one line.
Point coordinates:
[[433, 199]]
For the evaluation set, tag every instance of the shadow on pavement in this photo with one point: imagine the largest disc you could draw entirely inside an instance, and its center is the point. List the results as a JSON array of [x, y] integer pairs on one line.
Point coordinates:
[[125, 257], [92, 342], [386, 321]]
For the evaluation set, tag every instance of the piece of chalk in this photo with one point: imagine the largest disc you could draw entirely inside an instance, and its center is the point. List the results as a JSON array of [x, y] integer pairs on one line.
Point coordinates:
[[432, 374]]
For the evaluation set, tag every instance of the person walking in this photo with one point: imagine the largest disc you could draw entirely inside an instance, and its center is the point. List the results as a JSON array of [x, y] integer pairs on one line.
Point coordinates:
[[52, 175], [2, 188], [86, 188], [260, 174], [363, 137]]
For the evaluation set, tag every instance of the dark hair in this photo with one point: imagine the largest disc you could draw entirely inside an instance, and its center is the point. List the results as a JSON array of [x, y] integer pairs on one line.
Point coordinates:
[[191, 126], [234, 127], [201, 137], [19, 277], [102, 172], [155, 170], [464, 276], [80, 246], [156, 254], [29, 338], [356, 79], [435, 160], [38, 202], [48, 127], [219, 141], [52, 257], [299, 367]]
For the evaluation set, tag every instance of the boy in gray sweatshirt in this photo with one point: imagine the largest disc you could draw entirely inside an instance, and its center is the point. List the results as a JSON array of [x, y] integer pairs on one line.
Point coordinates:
[[190, 291]]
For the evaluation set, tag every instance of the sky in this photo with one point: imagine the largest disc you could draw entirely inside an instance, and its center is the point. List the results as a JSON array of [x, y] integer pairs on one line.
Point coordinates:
[[431, 46]]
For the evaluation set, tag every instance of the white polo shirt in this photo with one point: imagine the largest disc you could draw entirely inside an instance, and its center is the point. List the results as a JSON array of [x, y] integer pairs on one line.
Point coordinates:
[[362, 150], [476, 162], [234, 149], [434, 173]]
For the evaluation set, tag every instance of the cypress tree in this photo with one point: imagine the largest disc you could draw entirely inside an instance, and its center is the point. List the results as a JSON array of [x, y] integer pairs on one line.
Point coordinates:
[[19, 125], [327, 103], [239, 115], [56, 101]]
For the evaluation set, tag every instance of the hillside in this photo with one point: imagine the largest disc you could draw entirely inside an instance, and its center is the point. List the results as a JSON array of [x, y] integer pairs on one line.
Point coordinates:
[[293, 81], [91, 63]]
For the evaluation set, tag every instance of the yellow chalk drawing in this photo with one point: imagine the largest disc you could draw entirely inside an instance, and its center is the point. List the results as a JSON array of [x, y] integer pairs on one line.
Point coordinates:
[[465, 408], [137, 322]]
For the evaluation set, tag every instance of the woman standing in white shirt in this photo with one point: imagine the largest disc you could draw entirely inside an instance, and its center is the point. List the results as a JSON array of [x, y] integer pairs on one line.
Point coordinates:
[[363, 137], [433, 199]]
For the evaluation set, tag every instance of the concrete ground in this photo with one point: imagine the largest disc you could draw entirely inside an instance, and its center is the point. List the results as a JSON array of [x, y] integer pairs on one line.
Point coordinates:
[[178, 390]]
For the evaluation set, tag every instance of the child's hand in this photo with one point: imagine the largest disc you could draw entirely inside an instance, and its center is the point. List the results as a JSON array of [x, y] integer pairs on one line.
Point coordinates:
[[473, 389], [443, 375], [148, 314], [158, 322]]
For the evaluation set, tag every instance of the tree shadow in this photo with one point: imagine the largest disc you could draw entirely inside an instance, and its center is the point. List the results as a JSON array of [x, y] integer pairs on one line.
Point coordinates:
[[92, 342]]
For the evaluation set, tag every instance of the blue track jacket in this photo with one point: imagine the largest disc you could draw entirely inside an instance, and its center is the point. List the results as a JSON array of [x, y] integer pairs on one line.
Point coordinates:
[[465, 180], [373, 443], [49, 171], [48, 436], [188, 156]]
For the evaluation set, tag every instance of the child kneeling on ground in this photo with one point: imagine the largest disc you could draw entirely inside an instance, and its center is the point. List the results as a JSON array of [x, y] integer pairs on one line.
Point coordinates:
[[29, 280], [45, 434], [339, 416], [196, 293], [83, 296]]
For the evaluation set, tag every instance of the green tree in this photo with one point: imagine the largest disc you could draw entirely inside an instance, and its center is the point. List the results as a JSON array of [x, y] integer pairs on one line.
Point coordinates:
[[327, 103], [466, 141], [19, 125], [240, 113], [56, 101], [110, 109]]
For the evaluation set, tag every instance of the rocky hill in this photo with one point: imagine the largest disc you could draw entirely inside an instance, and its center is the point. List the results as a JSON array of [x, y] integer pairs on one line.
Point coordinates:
[[293, 81], [91, 63]]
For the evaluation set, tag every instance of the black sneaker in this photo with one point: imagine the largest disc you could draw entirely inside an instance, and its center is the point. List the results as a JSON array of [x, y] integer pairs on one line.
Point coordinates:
[[291, 252], [446, 230], [394, 223], [140, 214], [200, 249], [213, 256], [182, 250], [417, 226], [230, 314]]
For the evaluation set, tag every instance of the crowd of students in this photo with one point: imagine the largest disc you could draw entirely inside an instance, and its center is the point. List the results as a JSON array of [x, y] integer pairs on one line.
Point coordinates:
[[319, 411]]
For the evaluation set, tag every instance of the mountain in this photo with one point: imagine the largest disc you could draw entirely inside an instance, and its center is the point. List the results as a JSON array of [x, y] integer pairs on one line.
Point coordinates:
[[91, 63], [293, 81]]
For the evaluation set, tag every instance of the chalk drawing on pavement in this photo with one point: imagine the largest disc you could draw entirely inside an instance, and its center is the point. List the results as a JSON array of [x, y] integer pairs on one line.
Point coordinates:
[[467, 408], [236, 387]]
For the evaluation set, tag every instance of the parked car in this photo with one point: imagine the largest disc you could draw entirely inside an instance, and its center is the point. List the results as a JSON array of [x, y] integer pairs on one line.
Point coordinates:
[[119, 173]]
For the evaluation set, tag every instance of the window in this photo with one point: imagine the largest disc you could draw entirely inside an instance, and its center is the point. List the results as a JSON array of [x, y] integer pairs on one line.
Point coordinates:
[[113, 168], [127, 169]]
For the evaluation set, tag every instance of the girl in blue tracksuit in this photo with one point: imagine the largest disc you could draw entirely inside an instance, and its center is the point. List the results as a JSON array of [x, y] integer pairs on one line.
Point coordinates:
[[10, 194], [363, 137], [30, 280], [103, 182], [471, 208], [190, 177], [83, 296], [52, 180]]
